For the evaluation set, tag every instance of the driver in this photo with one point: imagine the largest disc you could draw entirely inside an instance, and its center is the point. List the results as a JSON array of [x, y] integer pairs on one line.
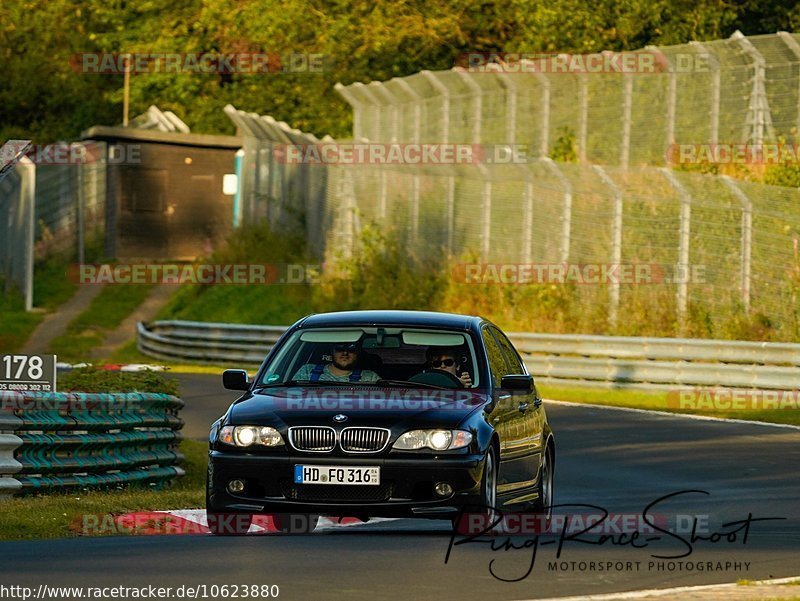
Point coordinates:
[[343, 369], [444, 359]]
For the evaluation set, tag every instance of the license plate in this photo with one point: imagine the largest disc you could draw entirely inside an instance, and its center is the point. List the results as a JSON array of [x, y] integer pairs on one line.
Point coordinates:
[[337, 474]]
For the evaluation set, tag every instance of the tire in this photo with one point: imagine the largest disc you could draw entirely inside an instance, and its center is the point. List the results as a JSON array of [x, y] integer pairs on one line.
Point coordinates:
[[544, 505], [475, 520], [295, 523]]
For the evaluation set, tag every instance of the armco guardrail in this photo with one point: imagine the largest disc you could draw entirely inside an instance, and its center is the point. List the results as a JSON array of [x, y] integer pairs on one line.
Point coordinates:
[[56, 441], [624, 362]]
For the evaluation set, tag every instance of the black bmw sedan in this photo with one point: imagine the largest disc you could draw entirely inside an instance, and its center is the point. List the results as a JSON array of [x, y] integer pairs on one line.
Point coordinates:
[[381, 413]]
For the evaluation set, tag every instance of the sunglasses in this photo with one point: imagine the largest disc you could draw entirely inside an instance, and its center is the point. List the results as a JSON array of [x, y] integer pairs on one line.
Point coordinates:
[[345, 348], [445, 362]]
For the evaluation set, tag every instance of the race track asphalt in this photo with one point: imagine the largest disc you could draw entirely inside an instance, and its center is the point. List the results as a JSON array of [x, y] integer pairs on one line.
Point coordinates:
[[617, 460]]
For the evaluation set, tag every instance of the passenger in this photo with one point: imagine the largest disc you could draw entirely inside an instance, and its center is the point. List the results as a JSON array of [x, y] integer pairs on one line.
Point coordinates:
[[444, 359], [343, 369]]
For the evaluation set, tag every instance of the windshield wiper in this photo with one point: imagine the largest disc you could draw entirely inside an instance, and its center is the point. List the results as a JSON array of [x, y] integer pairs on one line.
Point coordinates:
[[407, 384]]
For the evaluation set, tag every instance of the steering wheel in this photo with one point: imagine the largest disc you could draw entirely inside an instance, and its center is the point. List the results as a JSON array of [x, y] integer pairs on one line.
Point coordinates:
[[450, 376]]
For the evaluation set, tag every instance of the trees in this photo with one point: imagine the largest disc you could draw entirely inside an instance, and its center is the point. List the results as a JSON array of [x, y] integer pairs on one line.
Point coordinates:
[[43, 97]]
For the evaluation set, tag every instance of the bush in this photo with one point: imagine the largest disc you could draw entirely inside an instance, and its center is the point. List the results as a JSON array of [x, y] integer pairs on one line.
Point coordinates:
[[94, 379]]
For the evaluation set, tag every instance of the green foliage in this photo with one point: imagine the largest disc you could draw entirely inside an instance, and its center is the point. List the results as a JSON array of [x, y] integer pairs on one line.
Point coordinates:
[[46, 97], [94, 379], [564, 149], [384, 273]]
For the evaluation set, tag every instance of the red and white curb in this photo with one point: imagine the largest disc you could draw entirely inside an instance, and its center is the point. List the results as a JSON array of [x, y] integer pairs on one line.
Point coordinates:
[[191, 521]]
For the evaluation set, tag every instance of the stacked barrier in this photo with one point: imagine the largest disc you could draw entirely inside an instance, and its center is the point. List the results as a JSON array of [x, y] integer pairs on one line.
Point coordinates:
[[58, 441]]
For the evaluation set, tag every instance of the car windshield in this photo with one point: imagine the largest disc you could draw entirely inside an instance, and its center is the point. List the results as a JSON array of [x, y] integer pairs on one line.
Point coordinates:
[[366, 355]]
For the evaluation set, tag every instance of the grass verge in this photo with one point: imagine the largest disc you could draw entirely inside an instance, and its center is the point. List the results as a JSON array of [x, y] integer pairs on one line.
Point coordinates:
[[89, 329], [60, 515], [52, 287], [660, 401]]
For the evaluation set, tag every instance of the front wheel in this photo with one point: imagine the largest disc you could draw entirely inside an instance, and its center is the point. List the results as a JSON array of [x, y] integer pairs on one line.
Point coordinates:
[[480, 519], [544, 504]]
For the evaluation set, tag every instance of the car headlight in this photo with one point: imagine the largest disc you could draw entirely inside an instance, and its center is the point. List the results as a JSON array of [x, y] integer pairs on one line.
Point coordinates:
[[438, 440], [246, 436]]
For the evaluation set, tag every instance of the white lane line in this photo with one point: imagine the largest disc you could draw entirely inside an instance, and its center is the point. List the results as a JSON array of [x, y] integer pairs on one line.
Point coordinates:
[[662, 592], [677, 415]]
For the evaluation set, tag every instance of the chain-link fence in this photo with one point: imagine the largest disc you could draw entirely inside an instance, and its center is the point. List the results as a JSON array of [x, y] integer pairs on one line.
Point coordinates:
[[51, 209], [737, 90], [719, 250]]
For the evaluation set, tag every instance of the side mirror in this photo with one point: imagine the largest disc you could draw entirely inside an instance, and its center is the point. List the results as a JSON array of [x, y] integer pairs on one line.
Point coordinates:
[[235, 379], [519, 383]]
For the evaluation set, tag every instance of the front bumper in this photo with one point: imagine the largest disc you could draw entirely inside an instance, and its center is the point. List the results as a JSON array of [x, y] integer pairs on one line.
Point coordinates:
[[406, 489]]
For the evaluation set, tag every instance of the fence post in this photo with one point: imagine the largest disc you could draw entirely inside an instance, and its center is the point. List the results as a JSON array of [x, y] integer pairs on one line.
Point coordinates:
[[713, 130], [486, 212], [794, 46], [451, 211], [759, 118], [747, 239], [583, 128], [683, 243], [415, 181], [566, 210], [527, 216], [81, 202], [627, 105], [477, 96], [445, 92], [616, 243], [511, 107], [544, 148], [27, 203], [358, 110]]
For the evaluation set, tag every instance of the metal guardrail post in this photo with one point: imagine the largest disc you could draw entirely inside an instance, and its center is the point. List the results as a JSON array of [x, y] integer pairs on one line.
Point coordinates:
[[566, 210], [486, 212], [747, 239], [683, 242], [616, 242]]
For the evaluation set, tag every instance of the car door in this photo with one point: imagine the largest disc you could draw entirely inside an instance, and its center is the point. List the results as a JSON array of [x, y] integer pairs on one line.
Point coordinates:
[[504, 418], [526, 420]]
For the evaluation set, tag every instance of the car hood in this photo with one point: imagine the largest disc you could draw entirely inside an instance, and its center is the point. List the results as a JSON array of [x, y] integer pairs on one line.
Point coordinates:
[[362, 406]]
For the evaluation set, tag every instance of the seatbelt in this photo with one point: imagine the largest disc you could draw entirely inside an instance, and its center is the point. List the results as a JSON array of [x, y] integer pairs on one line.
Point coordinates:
[[316, 373]]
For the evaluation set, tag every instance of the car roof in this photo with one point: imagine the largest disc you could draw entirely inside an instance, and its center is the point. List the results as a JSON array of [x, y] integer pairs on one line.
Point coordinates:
[[392, 318]]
